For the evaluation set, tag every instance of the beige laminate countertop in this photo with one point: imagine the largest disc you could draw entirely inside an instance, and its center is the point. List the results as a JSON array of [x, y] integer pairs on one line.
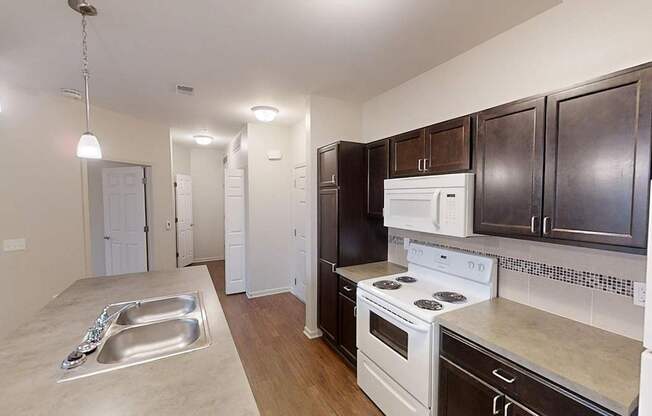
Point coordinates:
[[369, 270], [208, 381], [599, 365]]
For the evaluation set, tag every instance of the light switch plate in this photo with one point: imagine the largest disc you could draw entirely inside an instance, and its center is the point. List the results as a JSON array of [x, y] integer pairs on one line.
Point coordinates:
[[14, 245], [639, 293]]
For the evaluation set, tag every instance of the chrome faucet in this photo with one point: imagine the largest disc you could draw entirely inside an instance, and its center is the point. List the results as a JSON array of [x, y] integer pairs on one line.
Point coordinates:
[[95, 333]]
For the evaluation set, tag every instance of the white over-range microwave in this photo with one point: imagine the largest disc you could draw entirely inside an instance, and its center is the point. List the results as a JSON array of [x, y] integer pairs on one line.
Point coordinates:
[[441, 204]]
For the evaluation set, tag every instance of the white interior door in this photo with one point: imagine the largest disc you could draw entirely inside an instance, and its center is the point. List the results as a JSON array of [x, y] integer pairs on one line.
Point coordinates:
[[299, 214], [183, 191], [234, 231], [125, 235]]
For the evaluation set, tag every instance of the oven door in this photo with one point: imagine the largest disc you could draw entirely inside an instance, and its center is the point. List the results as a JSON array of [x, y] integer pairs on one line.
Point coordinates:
[[397, 343]]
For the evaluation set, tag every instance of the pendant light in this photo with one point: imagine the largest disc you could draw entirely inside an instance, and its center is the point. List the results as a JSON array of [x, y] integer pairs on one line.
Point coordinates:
[[88, 146]]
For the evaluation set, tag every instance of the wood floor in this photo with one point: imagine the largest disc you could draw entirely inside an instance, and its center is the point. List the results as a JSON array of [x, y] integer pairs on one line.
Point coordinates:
[[289, 373]]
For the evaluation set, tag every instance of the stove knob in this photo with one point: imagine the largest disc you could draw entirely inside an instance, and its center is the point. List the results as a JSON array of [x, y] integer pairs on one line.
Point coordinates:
[[420, 252], [480, 267], [471, 265]]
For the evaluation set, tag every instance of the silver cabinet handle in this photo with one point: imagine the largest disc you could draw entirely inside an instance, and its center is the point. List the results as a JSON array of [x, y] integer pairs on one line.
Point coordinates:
[[496, 409], [546, 225], [355, 311], [533, 221], [419, 165], [333, 178], [348, 289], [502, 377], [425, 165], [506, 408], [333, 266]]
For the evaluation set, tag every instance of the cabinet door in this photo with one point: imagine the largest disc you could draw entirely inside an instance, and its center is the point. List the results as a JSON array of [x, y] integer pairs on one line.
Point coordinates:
[[461, 394], [327, 300], [448, 146], [407, 153], [347, 327], [509, 170], [515, 409], [377, 160], [327, 165], [598, 161], [328, 224]]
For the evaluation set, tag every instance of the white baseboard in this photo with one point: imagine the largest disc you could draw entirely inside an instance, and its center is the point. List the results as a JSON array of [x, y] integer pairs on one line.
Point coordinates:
[[312, 334], [205, 259], [267, 292]]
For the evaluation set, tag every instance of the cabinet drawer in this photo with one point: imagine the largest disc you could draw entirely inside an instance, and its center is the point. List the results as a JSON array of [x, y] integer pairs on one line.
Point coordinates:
[[347, 288], [535, 392]]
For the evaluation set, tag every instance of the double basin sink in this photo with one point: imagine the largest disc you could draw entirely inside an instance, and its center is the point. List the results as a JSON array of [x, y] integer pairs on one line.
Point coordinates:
[[152, 329]]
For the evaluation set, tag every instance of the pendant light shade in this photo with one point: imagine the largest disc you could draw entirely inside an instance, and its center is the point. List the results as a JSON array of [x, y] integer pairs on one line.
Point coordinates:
[[89, 147]]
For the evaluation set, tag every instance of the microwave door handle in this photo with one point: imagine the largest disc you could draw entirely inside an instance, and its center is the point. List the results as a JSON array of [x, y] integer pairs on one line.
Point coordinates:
[[435, 208], [386, 315]]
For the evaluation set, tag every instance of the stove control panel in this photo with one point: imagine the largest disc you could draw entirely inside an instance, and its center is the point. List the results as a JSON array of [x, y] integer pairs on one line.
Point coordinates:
[[470, 266]]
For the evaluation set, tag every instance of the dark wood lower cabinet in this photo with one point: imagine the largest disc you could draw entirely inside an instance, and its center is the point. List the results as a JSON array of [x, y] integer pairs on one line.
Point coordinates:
[[327, 298], [347, 325], [474, 381], [461, 394]]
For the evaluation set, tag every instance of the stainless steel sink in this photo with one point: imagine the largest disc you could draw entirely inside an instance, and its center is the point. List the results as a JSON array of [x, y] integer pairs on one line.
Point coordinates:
[[149, 341], [154, 329], [157, 310]]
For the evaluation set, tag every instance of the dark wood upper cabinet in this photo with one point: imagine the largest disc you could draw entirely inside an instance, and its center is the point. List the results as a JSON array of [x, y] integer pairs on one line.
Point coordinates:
[[377, 165], [598, 161], [448, 146], [408, 150], [509, 169], [327, 165]]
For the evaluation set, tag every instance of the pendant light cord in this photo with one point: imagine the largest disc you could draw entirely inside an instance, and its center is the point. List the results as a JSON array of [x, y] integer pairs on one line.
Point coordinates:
[[85, 73]]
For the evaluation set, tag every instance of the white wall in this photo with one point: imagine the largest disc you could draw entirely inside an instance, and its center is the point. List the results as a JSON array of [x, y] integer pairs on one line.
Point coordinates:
[[42, 201], [328, 120], [96, 212], [299, 139], [207, 172], [180, 159], [568, 44], [269, 201]]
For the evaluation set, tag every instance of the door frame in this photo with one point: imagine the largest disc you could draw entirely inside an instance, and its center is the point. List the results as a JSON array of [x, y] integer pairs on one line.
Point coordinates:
[[86, 214], [293, 258]]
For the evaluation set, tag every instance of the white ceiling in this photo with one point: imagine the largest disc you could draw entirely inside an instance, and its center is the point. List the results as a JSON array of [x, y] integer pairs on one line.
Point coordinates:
[[241, 53]]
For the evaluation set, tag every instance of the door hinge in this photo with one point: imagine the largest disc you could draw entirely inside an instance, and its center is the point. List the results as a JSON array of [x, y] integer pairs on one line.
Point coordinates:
[[144, 181], [146, 229], [177, 254], [295, 232], [175, 184], [176, 220], [295, 281]]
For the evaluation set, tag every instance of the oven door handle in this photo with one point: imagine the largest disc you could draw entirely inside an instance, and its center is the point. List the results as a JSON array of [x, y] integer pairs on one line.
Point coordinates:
[[388, 315]]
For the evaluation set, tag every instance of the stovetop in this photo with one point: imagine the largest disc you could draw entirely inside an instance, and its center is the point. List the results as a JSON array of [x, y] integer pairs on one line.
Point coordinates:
[[408, 295]]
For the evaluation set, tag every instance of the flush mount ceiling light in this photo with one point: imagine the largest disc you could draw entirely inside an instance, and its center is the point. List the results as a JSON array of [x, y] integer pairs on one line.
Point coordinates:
[[88, 146], [265, 113], [203, 139]]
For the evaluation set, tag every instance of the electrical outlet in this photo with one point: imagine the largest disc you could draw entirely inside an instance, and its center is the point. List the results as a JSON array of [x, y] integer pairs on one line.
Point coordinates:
[[14, 245], [639, 293]]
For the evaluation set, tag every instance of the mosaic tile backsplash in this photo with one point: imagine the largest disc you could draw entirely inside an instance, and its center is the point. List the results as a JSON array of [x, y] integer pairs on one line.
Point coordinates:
[[582, 278]]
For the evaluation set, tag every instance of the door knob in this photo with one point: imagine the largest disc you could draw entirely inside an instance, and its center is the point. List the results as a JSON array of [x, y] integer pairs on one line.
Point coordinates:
[[106, 237]]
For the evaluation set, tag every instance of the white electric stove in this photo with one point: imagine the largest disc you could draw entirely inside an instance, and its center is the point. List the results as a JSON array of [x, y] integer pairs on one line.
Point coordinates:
[[397, 325]]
